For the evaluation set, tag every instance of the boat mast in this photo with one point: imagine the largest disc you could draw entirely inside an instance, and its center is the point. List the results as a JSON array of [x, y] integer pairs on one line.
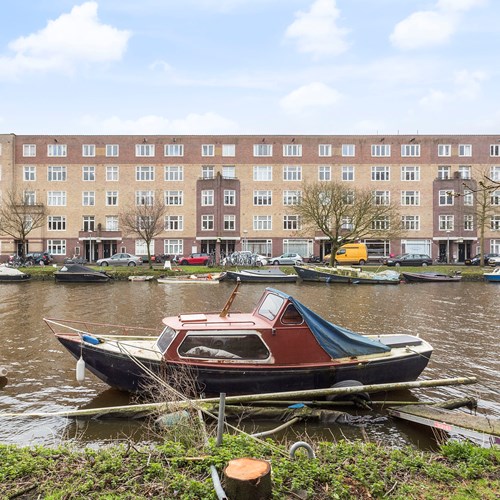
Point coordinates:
[[227, 306]]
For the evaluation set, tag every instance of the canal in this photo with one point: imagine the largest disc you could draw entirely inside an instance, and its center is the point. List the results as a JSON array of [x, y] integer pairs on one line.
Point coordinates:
[[460, 320]]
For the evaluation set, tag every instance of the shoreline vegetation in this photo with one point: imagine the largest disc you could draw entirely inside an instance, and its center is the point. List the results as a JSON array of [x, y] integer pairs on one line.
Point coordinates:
[[341, 470]]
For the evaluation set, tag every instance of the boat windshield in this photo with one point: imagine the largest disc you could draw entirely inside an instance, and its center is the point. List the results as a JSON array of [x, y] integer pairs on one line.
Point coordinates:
[[165, 339], [271, 306]]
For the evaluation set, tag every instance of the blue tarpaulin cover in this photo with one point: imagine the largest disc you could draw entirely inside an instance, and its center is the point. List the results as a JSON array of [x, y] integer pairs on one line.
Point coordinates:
[[338, 342]]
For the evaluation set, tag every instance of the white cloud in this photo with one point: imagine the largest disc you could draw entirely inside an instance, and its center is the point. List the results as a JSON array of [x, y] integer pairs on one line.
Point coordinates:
[[460, 5], [316, 31], [65, 42], [315, 94]]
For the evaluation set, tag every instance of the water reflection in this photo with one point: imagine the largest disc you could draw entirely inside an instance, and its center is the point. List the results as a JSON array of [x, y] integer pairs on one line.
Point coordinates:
[[460, 320]]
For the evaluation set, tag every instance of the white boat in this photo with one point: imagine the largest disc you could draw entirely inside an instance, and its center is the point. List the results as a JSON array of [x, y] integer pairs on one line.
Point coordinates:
[[207, 279], [493, 276], [140, 278], [12, 275]]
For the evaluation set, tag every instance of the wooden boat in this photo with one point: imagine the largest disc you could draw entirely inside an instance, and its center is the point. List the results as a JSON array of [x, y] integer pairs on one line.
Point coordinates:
[[12, 275], [207, 279], [273, 275], [140, 278], [493, 276], [76, 273], [281, 345], [344, 274], [431, 277]]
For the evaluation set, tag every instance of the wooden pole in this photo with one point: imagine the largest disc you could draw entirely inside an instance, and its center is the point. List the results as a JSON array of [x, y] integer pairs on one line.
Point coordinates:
[[248, 478]]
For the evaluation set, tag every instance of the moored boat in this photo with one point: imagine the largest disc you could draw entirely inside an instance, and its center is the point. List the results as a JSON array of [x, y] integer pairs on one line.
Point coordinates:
[[431, 277], [493, 276], [344, 274], [76, 273], [12, 275], [272, 275], [140, 278], [207, 279], [281, 345]]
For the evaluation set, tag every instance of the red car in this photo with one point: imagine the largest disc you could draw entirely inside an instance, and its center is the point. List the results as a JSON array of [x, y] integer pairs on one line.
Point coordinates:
[[195, 259]]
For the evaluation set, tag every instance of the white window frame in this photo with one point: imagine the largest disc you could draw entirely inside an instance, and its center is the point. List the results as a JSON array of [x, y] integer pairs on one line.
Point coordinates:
[[494, 150], [262, 198], [208, 150], [381, 197], [112, 173], [410, 198], [410, 150], [468, 222], [347, 173], [144, 150], [174, 150], [292, 173], [88, 150], [208, 171], [262, 223], [229, 222], [292, 150], [144, 173], [111, 198], [444, 150], [29, 150], [381, 150], [88, 198], [324, 173], [174, 173], [144, 198], [207, 222], [56, 198], [57, 150], [56, 223], [174, 197], [207, 198], [380, 173], [56, 247], [325, 150], [174, 223], [57, 173], [349, 150], [444, 172], [229, 171], [260, 150], [410, 222], [29, 173], [446, 222], [173, 246], [229, 150], [291, 197], [465, 150], [410, 173], [112, 150], [112, 223], [88, 173], [262, 173], [446, 198], [291, 222], [229, 197]]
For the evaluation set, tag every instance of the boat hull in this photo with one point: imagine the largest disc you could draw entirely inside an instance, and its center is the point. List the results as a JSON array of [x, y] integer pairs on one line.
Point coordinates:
[[429, 278], [259, 276], [15, 279], [121, 372], [309, 274], [81, 278]]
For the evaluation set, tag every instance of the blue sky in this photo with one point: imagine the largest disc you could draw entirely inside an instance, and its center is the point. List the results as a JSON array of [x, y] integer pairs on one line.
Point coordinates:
[[250, 67]]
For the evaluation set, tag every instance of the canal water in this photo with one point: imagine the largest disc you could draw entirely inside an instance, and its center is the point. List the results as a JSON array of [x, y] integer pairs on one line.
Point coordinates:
[[460, 320]]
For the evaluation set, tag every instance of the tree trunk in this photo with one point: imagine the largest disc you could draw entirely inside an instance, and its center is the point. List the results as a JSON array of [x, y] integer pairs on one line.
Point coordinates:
[[248, 478]]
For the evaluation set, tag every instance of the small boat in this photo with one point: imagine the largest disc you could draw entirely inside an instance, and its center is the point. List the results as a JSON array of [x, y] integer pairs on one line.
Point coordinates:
[[493, 276], [281, 345], [76, 273], [140, 278], [208, 279], [273, 275], [431, 277], [344, 274], [12, 275]]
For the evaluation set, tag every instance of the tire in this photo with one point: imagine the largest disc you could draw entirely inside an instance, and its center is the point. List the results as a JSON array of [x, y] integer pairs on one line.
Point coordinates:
[[131, 264], [184, 263], [424, 264], [362, 262], [397, 264], [276, 263], [258, 263], [348, 397], [105, 264]]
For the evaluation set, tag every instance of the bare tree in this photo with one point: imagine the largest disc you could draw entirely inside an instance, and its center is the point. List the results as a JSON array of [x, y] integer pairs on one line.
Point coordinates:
[[145, 219], [344, 214], [20, 215]]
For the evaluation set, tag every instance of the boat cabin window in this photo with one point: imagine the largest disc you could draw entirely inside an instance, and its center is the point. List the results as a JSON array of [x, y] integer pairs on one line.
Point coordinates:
[[223, 346], [165, 339], [291, 316], [271, 306]]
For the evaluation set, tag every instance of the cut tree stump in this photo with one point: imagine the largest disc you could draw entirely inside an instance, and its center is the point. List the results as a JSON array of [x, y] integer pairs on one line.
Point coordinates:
[[246, 478]]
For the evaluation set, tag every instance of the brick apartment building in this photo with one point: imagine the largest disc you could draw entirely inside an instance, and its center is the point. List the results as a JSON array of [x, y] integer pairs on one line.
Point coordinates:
[[227, 193]]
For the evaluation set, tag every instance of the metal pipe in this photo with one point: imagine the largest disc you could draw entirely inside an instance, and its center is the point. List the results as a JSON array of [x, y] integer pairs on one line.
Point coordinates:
[[220, 420], [221, 494]]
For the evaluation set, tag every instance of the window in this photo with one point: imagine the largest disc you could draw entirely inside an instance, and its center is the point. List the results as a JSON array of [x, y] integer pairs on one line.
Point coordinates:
[[207, 150], [229, 150], [143, 222], [410, 173], [56, 174], [381, 197], [446, 222], [88, 198], [465, 150], [145, 198], [229, 197], [229, 222], [381, 224], [291, 197], [380, 173], [144, 150], [207, 172], [112, 173], [468, 222], [444, 149], [88, 149], [174, 223], [29, 173], [324, 173], [495, 150], [495, 223], [262, 150], [174, 173], [56, 198], [444, 172], [410, 198], [111, 223], [88, 223], [348, 150], [464, 171], [54, 150], [264, 173], [29, 150], [261, 198], [88, 173], [111, 198], [468, 197], [56, 223], [174, 149], [262, 223], [346, 223], [379, 150], [145, 173], [446, 197], [291, 222], [495, 198], [292, 173], [229, 172], [29, 197], [325, 150], [112, 150], [410, 222], [207, 197], [174, 198], [207, 222], [495, 173], [173, 247], [292, 149], [410, 149], [56, 247], [348, 197], [348, 173]]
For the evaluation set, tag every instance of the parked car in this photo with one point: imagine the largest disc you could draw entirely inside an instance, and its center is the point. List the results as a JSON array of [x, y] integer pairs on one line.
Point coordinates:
[[474, 261], [286, 258], [195, 259], [409, 259], [120, 259], [39, 257], [494, 261]]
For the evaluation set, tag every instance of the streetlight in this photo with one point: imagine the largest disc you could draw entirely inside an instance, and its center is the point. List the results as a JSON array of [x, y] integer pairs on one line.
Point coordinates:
[[245, 240], [90, 246], [448, 231]]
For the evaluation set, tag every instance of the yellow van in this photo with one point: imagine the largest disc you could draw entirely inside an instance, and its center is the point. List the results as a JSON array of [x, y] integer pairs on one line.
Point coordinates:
[[351, 253]]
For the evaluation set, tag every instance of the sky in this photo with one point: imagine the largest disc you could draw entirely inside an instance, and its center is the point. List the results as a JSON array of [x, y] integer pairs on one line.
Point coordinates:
[[250, 67]]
